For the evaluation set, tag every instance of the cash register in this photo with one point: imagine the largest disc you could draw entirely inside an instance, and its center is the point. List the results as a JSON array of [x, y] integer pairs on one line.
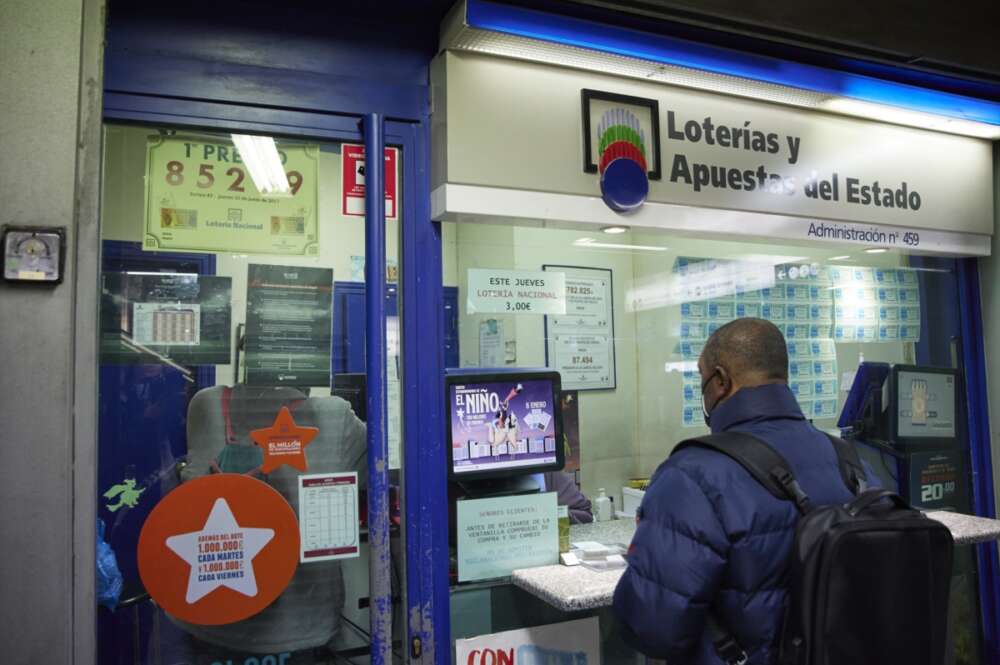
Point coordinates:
[[908, 420]]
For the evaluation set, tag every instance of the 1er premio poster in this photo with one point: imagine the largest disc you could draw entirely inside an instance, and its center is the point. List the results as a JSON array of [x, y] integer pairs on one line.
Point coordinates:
[[201, 197]]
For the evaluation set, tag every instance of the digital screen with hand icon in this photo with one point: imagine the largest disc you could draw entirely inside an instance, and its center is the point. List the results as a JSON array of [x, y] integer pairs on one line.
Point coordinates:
[[926, 405]]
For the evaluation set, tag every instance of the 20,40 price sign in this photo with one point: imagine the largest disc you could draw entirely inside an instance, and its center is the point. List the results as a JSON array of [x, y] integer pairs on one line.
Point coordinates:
[[200, 196]]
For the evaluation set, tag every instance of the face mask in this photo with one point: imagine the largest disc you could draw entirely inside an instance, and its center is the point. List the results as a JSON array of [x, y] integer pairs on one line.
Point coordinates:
[[704, 412]]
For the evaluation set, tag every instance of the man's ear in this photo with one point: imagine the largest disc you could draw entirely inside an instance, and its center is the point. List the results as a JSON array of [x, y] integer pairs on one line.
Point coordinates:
[[725, 380]]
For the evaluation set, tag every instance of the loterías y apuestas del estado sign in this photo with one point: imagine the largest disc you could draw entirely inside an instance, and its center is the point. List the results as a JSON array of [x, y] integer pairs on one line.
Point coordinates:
[[746, 137], [708, 154]]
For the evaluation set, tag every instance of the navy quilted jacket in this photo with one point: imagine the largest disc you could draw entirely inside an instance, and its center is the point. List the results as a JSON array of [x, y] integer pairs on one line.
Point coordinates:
[[711, 536]]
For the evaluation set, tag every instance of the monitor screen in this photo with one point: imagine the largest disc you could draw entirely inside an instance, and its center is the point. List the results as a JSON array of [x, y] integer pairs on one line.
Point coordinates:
[[504, 424], [925, 404], [351, 387]]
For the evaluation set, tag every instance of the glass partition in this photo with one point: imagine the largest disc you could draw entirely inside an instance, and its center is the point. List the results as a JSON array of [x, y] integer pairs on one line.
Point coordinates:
[[233, 465], [638, 308]]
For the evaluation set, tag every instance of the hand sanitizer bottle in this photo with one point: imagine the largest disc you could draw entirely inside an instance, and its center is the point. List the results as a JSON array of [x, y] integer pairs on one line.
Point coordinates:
[[602, 507]]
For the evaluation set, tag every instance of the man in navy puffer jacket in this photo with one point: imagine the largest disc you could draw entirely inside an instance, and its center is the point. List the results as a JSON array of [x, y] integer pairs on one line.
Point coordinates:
[[709, 535]]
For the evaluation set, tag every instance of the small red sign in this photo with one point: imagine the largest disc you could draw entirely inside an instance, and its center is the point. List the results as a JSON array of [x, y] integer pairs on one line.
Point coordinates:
[[284, 442], [353, 180]]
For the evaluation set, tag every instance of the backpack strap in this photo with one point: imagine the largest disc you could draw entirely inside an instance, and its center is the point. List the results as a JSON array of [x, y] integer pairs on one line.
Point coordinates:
[[851, 469], [760, 460]]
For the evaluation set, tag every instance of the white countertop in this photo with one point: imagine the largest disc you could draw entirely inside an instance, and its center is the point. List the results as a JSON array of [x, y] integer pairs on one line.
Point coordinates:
[[576, 588]]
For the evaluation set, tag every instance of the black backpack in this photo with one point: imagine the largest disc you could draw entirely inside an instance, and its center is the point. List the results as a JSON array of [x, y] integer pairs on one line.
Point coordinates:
[[869, 580]]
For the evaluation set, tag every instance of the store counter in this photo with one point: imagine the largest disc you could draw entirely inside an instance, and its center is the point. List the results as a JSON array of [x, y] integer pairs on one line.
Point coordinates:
[[576, 588]]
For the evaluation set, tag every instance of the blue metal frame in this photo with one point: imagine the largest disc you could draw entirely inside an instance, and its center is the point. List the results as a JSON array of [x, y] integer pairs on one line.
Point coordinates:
[[672, 51], [425, 455], [379, 560], [974, 362]]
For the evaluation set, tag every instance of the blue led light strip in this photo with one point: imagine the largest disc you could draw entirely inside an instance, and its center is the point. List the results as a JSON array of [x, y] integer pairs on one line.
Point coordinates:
[[671, 51]]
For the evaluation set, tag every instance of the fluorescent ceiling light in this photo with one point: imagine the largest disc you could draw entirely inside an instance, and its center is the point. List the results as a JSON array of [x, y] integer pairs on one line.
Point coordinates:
[[900, 116], [261, 157], [590, 242], [840, 258], [876, 250], [614, 230]]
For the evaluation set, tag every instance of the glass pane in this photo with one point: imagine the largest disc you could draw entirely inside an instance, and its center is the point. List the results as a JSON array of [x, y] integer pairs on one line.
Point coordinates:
[[233, 465], [639, 307]]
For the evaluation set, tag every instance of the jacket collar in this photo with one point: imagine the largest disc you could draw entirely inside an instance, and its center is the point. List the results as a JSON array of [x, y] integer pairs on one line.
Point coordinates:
[[767, 402]]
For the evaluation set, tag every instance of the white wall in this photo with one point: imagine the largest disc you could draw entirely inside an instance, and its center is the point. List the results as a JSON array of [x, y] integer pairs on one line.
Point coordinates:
[[51, 52]]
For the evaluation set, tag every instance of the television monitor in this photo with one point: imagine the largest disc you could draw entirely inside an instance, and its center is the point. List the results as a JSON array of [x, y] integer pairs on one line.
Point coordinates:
[[503, 424], [352, 387], [904, 406], [152, 318], [923, 406]]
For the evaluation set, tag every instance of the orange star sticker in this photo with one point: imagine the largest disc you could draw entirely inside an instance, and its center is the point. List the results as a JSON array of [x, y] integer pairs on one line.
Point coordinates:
[[284, 442]]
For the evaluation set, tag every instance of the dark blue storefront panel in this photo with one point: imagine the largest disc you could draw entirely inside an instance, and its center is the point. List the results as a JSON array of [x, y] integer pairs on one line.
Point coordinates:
[[341, 58]]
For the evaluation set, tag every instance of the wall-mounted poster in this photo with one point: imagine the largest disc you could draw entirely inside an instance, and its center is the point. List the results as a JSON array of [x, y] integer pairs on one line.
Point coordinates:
[[289, 325], [580, 344], [353, 181], [203, 196], [152, 318]]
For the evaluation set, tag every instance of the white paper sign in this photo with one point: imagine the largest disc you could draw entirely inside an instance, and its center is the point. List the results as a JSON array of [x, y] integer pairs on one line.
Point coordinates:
[[580, 343], [567, 643], [492, 349], [584, 360], [328, 516], [159, 324], [516, 292], [588, 301], [393, 399], [497, 536]]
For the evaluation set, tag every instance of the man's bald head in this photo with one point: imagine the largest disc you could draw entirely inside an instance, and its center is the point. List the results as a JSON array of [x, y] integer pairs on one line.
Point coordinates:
[[753, 351]]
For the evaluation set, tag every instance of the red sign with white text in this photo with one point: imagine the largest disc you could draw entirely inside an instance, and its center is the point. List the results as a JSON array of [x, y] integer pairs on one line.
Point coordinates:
[[353, 181]]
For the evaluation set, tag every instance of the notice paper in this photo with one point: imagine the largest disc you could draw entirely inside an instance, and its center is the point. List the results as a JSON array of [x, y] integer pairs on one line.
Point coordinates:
[[491, 343], [328, 516], [497, 536]]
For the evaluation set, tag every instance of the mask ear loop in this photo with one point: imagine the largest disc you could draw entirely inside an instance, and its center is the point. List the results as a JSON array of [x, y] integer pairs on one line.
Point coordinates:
[[705, 413]]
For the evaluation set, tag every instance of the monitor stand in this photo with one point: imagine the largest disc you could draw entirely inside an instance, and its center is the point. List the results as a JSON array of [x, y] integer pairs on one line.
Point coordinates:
[[491, 487]]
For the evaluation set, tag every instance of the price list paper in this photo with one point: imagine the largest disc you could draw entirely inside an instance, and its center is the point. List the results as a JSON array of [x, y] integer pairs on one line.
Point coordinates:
[[580, 342]]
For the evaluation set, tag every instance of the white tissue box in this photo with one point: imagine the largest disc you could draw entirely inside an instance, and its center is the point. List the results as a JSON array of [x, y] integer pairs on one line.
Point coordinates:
[[631, 499]]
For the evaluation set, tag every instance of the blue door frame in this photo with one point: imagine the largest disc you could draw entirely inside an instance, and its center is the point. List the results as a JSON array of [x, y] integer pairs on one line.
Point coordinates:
[[422, 342]]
